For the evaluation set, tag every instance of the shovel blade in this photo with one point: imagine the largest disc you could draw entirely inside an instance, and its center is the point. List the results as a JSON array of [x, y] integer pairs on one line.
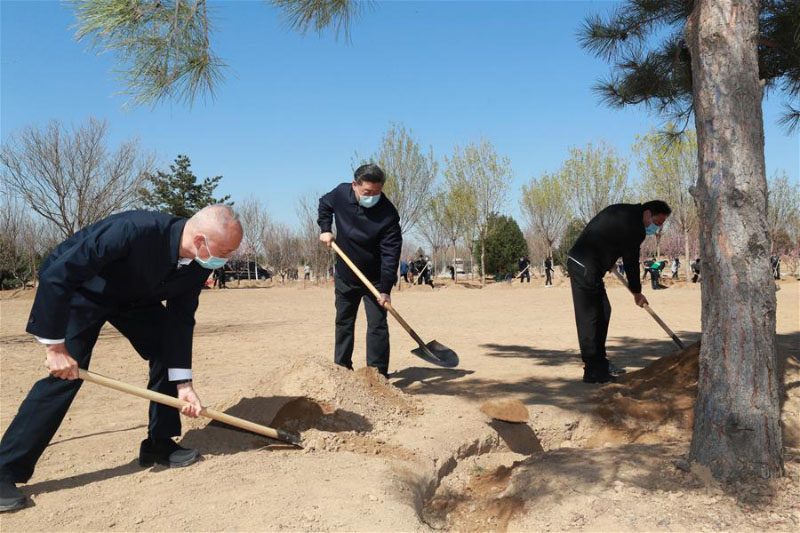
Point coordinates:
[[438, 354]]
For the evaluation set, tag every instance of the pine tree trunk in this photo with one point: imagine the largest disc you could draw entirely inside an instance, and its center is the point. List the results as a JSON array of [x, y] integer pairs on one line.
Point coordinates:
[[737, 414]]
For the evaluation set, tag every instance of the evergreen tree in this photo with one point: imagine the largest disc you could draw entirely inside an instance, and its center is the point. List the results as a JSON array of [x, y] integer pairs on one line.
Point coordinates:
[[505, 244], [177, 192], [661, 77], [570, 235]]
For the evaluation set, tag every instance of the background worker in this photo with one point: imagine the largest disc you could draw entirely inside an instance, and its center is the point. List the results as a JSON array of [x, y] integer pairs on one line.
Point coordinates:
[[404, 271], [617, 231], [368, 227], [119, 270], [548, 271], [525, 272]]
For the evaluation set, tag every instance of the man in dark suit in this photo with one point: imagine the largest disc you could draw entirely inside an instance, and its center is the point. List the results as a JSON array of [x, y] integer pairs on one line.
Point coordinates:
[[368, 231], [119, 270], [616, 231]]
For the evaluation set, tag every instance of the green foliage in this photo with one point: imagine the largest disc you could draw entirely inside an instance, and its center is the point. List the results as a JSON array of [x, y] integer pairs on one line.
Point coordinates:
[[595, 177], [545, 205], [668, 171], [660, 76], [410, 173], [316, 15], [571, 234], [479, 179], [163, 47], [504, 245], [177, 191]]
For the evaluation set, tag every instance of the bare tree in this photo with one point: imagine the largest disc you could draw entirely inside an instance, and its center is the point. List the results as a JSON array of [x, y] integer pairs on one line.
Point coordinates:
[[783, 206], [482, 178], [596, 177], [281, 245], [545, 206], [410, 174], [432, 229], [669, 170], [255, 221], [448, 217], [311, 249], [69, 176]]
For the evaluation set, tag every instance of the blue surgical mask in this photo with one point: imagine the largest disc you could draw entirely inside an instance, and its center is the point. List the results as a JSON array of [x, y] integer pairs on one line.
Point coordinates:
[[212, 262], [652, 229], [368, 201]]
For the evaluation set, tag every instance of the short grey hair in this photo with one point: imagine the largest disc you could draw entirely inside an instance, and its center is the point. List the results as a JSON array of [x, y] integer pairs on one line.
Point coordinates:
[[218, 219]]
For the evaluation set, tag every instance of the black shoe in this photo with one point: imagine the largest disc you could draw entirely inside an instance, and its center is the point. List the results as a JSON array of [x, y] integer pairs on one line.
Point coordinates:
[[166, 452], [11, 498], [614, 370]]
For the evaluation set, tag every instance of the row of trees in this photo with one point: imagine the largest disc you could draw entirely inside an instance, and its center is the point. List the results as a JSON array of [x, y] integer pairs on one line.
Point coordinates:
[[58, 179]]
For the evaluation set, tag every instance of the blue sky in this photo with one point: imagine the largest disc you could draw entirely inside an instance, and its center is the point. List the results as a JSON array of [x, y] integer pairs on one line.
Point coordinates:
[[293, 110]]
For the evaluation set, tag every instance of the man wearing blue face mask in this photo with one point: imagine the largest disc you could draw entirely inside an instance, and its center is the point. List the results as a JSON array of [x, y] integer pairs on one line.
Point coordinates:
[[368, 231], [617, 231], [119, 270]]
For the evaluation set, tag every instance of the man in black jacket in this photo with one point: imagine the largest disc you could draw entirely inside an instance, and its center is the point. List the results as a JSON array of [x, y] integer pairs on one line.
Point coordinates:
[[119, 270], [548, 270], [368, 232], [618, 230]]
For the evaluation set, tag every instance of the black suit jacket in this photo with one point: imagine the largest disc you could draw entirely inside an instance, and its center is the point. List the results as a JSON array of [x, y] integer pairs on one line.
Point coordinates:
[[371, 238], [121, 262]]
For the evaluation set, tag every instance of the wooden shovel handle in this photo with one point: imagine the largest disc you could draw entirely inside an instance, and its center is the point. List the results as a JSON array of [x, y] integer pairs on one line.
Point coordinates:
[[652, 313], [377, 293], [178, 404]]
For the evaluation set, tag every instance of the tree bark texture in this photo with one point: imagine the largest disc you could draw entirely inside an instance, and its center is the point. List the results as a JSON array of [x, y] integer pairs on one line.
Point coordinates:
[[737, 428]]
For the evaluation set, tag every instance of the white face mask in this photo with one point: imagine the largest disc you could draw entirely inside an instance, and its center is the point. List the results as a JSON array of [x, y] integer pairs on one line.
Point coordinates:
[[368, 201], [212, 262]]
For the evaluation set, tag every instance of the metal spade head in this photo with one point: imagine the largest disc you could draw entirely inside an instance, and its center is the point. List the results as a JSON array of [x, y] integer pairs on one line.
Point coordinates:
[[438, 354], [290, 438]]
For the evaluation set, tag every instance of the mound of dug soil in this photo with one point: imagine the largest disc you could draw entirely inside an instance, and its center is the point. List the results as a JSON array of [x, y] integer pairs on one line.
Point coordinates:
[[658, 396], [656, 403], [307, 397]]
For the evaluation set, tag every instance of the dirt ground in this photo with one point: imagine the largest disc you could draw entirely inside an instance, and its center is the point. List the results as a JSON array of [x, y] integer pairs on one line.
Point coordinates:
[[413, 454]]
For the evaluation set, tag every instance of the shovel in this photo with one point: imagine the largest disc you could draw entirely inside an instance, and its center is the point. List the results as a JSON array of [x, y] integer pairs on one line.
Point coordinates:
[[653, 314], [164, 399], [432, 352]]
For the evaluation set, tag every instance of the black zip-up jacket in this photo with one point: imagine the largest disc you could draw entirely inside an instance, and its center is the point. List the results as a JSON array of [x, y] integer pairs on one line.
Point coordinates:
[[616, 231], [370, 237]]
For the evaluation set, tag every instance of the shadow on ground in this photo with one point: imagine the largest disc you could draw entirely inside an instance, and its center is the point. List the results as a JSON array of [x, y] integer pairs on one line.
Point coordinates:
[[291, 414]]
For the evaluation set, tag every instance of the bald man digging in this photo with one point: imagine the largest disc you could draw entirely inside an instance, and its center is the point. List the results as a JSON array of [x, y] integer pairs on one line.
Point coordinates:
[[119, 270]]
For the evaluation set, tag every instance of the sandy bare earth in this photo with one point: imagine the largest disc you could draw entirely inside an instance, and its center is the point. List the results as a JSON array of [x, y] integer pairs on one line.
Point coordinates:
[[415, 454]]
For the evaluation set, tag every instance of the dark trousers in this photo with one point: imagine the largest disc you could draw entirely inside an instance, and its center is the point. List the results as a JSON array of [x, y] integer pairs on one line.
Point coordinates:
[[524, 275], [655, 279], [42, 411], [592, 315], [549, 280], [348, 299]]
